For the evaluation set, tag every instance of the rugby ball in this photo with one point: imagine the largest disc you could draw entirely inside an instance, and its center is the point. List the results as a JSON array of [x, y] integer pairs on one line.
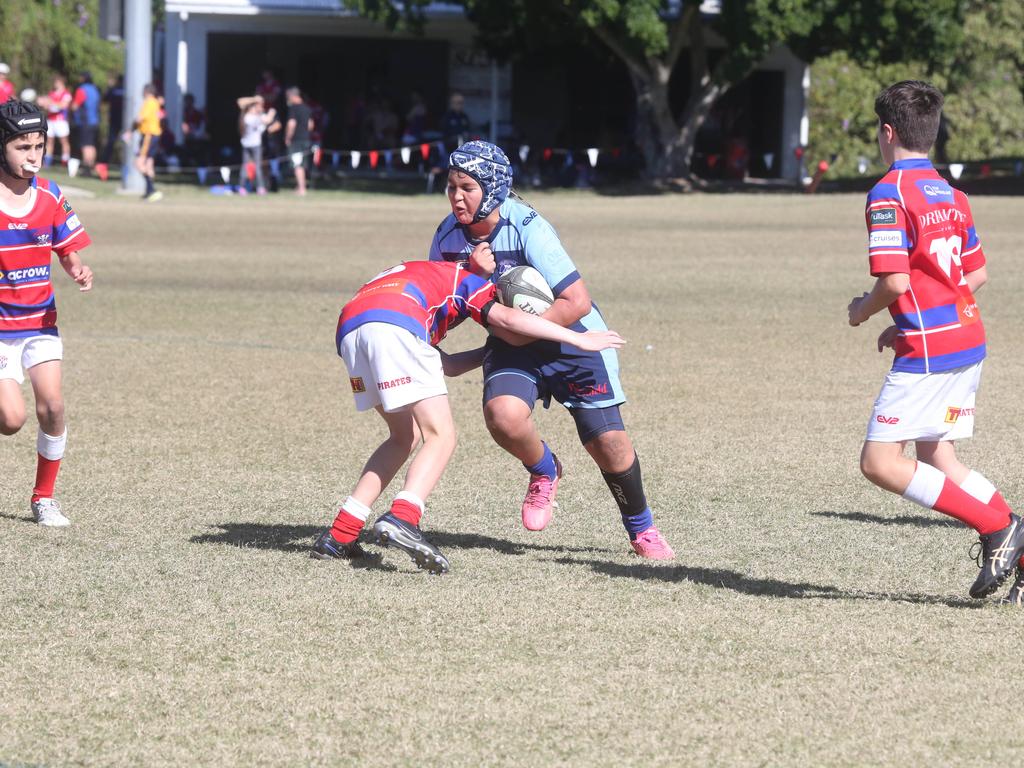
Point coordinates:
[[524, 288]]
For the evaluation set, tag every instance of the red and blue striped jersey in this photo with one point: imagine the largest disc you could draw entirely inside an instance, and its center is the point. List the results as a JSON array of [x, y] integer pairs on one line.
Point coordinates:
[[27, 237], [919, 225], [427, 298]]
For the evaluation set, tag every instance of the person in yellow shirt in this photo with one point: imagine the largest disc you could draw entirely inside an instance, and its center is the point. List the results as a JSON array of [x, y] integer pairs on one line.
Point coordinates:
[[147, 123]]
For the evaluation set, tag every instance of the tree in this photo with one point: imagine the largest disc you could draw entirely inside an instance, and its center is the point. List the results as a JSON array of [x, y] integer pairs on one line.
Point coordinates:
[[651, 36]]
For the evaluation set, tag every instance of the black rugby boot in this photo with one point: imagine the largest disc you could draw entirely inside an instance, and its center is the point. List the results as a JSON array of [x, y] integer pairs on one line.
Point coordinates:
[[1000, 552], [326, 547], [393, 531]]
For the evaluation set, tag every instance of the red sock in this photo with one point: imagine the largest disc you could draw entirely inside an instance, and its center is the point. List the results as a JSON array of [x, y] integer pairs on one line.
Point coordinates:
[[46, 477], [956, 502], [998, 502], [346, 527], [407, 511]]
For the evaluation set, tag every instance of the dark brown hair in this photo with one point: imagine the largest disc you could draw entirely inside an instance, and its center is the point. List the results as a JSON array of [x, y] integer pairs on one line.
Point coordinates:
[[913, 108]]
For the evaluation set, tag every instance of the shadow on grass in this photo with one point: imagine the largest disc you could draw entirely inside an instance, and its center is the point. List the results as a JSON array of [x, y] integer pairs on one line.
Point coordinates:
[[299, 538], [921, 521], [19, 518], [749, 585]]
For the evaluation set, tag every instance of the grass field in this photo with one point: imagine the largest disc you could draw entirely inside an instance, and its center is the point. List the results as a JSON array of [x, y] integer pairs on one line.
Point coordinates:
[[809, 619]]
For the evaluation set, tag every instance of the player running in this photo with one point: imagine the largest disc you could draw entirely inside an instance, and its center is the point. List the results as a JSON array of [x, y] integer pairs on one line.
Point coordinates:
[[925, 253], [485, 220], [35, 219], [385, 336]]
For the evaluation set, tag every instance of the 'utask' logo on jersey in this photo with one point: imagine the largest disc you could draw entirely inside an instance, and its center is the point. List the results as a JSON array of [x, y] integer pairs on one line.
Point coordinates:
[[883, 216]]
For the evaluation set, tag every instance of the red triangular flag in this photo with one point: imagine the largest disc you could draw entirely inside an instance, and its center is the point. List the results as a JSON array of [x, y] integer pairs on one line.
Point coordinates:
[[374, 156]]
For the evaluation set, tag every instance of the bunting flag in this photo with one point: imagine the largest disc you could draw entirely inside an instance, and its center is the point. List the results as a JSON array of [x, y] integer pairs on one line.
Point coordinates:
[[335, 159], [225, 173], [440, 150], [317, 156], [1018, 168], [524, 152], [986, 170], [956, 169], [862, 165], [713, 160], [387, 158], [592, 156], [568, 160], [799, 152], [406, 154], [73, 163], [374, 157], [425, 151], [275, 167], [616, 152], [547, 153], [250, 171], [355, 158], [769, 160], [201, 173]]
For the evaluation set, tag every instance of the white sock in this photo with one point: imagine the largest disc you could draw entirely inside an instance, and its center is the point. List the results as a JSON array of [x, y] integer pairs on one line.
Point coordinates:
[[978, 486], [925, 486], [50, 447], [356, 508], [412, 498]]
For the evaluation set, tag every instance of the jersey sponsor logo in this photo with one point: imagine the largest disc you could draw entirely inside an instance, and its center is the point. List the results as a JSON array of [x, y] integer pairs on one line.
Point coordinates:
[[940, 217], [399, 382], [935, 191], [529, 217], [27, 274], [883, 216], [66, 207], [952, 414], [3, 361], [885, 237], [17, 225], [42, 239], [887, 419], [73, 222], [357, 385]]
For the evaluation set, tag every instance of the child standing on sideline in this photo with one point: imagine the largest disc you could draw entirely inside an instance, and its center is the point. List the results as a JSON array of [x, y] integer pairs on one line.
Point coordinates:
[[35, 219], [928, 261], [386, 336]]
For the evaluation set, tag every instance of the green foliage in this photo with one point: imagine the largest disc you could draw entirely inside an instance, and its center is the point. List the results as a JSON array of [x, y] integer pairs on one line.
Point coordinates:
[[983, 85], [42, 38]]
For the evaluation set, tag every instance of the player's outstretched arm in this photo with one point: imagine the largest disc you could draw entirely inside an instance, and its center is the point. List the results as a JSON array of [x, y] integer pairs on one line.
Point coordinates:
[[526, 324], [460, 362], [78, 271]]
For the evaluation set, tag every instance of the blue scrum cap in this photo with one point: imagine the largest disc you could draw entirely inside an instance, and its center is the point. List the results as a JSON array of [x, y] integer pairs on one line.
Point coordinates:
[[491, 169]]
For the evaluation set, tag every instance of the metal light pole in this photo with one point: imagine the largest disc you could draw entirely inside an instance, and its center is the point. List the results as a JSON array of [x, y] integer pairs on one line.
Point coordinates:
[[138, 69]]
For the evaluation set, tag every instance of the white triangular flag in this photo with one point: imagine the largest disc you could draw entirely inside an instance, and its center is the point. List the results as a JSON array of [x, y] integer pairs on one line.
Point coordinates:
[[73, 163], [225, 173], [592, 156], [524, 152], [769, 159], [406, 154], [862, 165], [956, 169], [355, 159]]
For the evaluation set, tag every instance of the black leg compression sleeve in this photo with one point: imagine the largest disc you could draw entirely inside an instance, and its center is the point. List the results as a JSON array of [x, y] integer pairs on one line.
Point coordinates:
[[628, 489]]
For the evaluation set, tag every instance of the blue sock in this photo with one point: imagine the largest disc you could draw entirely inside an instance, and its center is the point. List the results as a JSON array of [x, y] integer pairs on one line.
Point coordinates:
[[546, 465], [639, 523]]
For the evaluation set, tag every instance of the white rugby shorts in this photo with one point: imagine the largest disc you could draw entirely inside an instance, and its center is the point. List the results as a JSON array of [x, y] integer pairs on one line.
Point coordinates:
[[390, 367], [59, 128], [925, 406], [18, 355]]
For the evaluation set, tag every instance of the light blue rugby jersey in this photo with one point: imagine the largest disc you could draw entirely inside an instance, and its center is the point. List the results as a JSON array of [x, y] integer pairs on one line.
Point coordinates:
[[522, 238]]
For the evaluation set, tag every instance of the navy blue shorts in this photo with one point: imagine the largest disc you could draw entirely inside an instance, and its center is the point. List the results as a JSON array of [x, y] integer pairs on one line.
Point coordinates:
[[584, 382]]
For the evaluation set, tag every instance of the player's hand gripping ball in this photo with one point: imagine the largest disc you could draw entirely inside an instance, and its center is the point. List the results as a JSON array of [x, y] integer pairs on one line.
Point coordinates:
[[524, 288]]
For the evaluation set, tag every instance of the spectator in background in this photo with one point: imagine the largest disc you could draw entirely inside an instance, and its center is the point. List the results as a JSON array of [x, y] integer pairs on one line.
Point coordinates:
[[252, 122], [85, 107], [270, 90], [455, 125], [384, 126], [195, 148], [147, 123], [415, 120], [297, 135], [6, 86], [114, 99], [57, 102]]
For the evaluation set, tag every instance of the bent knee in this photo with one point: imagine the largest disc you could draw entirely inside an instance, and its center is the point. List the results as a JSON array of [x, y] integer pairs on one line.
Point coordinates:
[[506, 419], [50, 412], [11, 423]]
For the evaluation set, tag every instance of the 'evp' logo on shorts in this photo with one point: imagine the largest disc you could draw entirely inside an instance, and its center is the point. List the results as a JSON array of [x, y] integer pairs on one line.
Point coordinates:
[[887, 419], [3, 361], [357, 384]]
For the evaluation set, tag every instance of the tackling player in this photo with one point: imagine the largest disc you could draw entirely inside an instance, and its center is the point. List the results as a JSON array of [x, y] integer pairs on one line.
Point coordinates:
[[386, 336], [35, 219], [925, 254], [485, 221]]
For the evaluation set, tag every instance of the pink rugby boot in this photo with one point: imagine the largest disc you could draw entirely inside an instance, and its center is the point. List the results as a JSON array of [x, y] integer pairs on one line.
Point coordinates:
[[540, 499], [652, 545]]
